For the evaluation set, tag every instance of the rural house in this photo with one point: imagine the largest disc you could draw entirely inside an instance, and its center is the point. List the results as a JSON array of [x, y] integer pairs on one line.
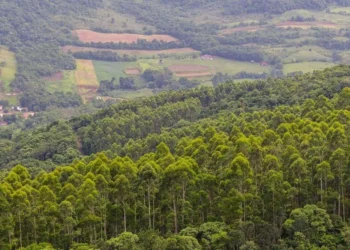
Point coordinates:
[[207, 57], [265, 64]]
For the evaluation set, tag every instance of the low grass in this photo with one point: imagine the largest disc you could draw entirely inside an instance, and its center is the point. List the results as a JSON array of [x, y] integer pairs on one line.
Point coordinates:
[[67, 84], [108, 70], [306, 56], [85, 73], [309, 52], [340, 9], [345, 57], [137, 53], [132, 94], [341, 21], [104, 18], [7, 72], [306, 67], [217, 65]]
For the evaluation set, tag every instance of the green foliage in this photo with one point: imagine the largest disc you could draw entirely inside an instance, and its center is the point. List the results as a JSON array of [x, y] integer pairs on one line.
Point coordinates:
[[125, 241], [254, 165]]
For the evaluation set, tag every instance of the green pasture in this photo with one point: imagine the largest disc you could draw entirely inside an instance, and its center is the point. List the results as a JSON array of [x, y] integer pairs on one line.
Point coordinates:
[[108, 70], [67, 84], [340, 9], [306, 56], [216, 65], [306, 67], [9, 69], [132, 94]]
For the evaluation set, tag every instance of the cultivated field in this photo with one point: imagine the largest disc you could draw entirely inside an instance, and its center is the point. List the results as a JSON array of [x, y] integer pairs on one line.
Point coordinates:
[[306, 56], [89, 36], [139, 53], [340, 10], [202, 69], [218, 65], [7, 74], [120, 94], [307, 25], [306, 67], [62, 81], [86, 79], [190, 71], [244, 28], [133, 71], [8, 70], [54, 78], [107, 70]]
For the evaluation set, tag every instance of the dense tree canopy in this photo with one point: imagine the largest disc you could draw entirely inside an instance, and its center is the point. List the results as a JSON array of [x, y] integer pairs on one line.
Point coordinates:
[[241, 166]]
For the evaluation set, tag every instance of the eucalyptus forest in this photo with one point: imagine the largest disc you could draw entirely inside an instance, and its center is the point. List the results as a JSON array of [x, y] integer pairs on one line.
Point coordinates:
[[241, 166], [243, 160]]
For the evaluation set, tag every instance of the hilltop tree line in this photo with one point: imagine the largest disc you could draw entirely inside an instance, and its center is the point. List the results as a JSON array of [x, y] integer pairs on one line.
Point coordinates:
[[245, 166], [108, 56], [235, 7], [139, 121]]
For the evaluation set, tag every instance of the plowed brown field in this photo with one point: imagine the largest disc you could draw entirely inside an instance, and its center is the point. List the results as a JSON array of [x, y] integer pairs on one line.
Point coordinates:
[[89, 36]]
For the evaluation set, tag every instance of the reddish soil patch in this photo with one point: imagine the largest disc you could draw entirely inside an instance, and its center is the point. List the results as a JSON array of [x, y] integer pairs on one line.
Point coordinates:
[[55, 77], [132, 71], [246, 28], [190, 71], [26, 115], [89, 36], [73, 49], [183, 68], [194, 74]]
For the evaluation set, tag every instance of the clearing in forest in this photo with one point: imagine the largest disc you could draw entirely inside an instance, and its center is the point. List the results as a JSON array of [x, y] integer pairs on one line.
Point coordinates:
[[86, 79], [190, 71], [307, 25], [306, 67], [63, 81], [133, 71], [8, 68], [238, 29], [180, 51], [89, 36], [55, 77]]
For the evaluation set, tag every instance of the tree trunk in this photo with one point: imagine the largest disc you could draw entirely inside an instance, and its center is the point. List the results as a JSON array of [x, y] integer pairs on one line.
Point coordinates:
[[20, 231], [175, 216], [183, 203], [154, 215], [149, 208], [124, 212]]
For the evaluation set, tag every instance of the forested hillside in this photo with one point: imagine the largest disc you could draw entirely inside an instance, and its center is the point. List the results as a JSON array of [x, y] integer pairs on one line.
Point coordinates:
[[43, 39], [207, 159], [254, 165], [256, 6]]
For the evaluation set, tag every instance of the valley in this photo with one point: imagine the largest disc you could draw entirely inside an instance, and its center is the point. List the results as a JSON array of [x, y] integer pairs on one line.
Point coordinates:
[[175, 125], [303, 51]]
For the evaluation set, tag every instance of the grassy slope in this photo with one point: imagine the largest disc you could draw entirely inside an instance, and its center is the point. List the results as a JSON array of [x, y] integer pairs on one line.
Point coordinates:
[[306, 66], [67, 84], [107, 70], [8, 72]]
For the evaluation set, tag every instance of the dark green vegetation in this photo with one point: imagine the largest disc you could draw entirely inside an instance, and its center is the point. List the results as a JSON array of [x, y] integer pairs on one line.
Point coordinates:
[[108, 56], [251, 165], [29, 29]]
